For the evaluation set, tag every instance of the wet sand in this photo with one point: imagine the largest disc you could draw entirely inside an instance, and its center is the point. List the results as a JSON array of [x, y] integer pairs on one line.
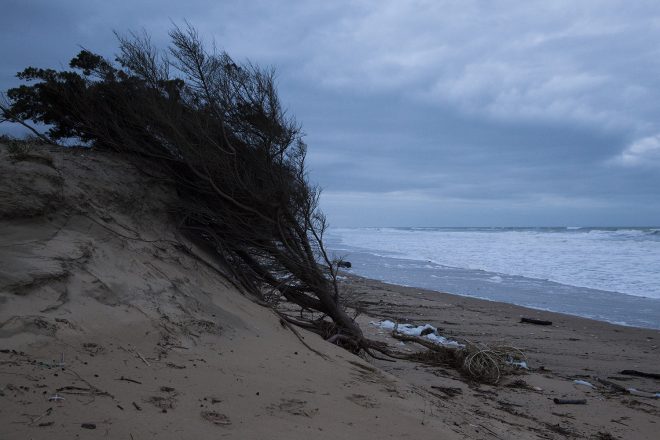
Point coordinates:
[[522, 406]]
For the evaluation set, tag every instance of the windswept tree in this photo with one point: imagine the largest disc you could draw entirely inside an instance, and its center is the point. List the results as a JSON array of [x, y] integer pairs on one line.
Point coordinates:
[[217, 131]]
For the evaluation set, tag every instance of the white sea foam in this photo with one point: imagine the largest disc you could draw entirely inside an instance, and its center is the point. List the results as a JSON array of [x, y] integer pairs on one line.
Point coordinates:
[[621, 260]]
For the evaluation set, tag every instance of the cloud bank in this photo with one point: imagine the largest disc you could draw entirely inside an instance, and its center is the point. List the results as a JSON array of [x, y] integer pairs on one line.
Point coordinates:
[[427, 112]]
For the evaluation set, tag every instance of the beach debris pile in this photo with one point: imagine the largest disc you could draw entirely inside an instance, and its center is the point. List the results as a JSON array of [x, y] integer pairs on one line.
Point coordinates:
[[477, 361]]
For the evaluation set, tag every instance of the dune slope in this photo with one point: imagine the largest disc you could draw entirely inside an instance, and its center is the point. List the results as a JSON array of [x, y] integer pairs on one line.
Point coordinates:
[[112, 325]]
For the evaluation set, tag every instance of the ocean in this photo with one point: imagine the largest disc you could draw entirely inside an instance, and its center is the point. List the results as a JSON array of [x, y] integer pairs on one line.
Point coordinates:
[[609, 274]]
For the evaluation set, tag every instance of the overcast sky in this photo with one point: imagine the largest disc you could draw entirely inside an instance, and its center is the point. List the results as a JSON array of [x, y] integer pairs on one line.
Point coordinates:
[[426, 113]]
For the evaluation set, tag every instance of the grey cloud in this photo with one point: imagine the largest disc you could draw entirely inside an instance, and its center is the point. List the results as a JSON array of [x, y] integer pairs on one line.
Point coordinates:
[[557, 61], [426, 112]]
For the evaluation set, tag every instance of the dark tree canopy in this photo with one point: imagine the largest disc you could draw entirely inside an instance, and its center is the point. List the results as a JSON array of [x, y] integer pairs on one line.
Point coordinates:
[[217, 130]]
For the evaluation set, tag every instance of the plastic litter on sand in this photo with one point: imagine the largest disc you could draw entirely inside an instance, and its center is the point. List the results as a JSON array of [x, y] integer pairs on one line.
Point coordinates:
[[412, 330]]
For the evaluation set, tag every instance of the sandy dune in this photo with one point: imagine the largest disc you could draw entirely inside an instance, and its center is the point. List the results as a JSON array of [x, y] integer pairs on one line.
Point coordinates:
[[112, 326]]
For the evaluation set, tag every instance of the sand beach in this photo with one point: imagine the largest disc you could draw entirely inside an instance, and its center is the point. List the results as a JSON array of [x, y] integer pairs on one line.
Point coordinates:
[[113, 325], [573, 358]]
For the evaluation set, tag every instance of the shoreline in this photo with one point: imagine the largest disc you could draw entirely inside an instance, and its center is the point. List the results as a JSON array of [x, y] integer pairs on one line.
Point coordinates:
[[615, 308], [572, 348], [618, 261], [532, 309]]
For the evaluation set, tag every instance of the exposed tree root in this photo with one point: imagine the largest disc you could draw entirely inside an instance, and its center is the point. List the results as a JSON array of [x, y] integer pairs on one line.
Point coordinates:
[[478, 362], [285, 323]]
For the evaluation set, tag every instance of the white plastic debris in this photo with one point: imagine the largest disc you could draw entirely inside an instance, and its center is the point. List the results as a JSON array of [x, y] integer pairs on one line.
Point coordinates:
[[583, 382], [519, 364], [411, 330], [636, 392]]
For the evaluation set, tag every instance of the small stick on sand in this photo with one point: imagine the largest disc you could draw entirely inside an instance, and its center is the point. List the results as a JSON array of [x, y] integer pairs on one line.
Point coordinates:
[[535, 321], [640, 374], [48, 411], [128, 379], [570, 401], [141, 357]]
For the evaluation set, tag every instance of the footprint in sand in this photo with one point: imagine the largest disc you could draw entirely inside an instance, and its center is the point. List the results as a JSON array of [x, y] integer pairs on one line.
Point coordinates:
[[93, 348], [166, 402], [363, 401], [294, 407], [216, 418]]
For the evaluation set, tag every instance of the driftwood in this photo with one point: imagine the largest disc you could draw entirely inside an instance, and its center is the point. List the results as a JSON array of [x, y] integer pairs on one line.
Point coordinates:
[[421, 341], [478, 362], [128, 379], [570, 401], [633, 391], [613, 385], [535, 321], [640, 374]]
